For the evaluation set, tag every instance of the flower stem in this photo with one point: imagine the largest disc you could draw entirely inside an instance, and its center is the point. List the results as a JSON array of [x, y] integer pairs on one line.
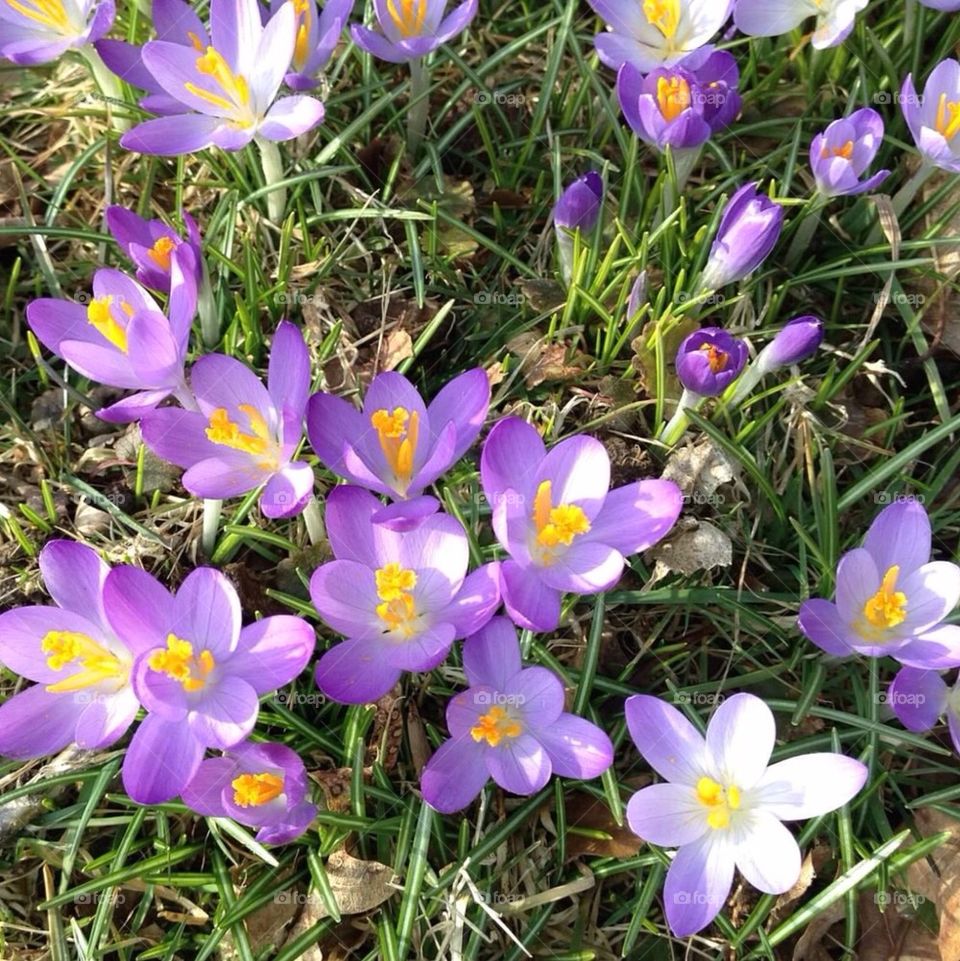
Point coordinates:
[[419, 107], [211, 521], [207, 307], [745, 386], [677, 426], [313, 518], [806, 230], [108, 84], [684, 162], [272, 164], [904, 197]]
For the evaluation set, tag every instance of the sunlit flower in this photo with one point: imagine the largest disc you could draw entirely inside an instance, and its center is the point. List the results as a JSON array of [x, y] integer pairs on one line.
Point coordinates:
[[38, 31], [710, 360], [723, 802], [509, 725], [762, 18], [797, 340], [843, 153], [412, 28], [891, 599], [934, 116], [317, 36]]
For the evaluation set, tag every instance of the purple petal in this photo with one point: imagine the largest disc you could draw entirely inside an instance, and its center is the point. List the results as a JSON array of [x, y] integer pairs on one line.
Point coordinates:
[[133, 407], [106, 719], [206, 612], [332, 426], [291, 116], [356, 672], [937, 649], [539, 696], [857, 580], [667, 814], [378, 45], [227, 712], [740, 739], [768, 856], [178, 436], [74, 575], [23, 628], [586, 567], [579, 471], [577, 748], [161, 760], [345, 596], [169, 136], [138, 607], [492, 656], [203, 792], [529, 601], [288, 491], [224, 476], [519, 765], [637, 516], [454, 775], [295, 823], [350, 529], [669, 743], [511, 455], [476, 601], [810, 785], [899, 535], [918, 698], [457, 22], [273, 651], [36, 722], [423, 651], [820, 621], [463, 401], [288, 373], [404, 516], [698, 884]]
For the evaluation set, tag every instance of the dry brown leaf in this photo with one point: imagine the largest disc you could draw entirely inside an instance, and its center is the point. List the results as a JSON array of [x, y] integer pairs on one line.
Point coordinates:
[[358, 886], [397, 346], [698, 548], [937, 878], [894, 934], [645, 357], [585, 812], [540, 361]]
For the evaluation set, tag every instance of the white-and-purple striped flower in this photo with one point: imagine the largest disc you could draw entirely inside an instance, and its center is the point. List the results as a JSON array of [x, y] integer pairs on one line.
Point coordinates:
[[723, 803], [244, 434], [38, 31], [934, 116], [509, 725], [842, 154], [891, 599], [400, 597], [555, 515]]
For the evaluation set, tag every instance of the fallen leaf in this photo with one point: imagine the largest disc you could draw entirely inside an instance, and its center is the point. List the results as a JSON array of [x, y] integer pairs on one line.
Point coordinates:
[[698, 549], [698, 470], [606, 838], [397, 346]]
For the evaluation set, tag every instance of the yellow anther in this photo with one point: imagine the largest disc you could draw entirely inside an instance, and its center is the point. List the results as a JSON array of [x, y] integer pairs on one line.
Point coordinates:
[[494, 726], [673, 96], [96, 663], [100, 317], [408, 16], [399, 614], [234, 85], [718, 359], [48, 13], [948, 117], [160, 252], [845, 151], [664, 15], [227, 433], [393, 581], [398, 432], [255, 790], [180, 664], [718, 800], [301, 50], [556, 526], [888, 607]]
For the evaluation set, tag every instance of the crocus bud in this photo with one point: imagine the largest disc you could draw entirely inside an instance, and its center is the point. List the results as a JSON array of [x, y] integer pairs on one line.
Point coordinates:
[[579, 206], [798, 340], [709, 361], [844, 151], [749, 230]]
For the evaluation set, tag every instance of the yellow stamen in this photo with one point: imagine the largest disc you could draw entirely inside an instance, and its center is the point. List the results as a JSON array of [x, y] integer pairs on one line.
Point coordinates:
[[100, 317], [717, 359], [494, 726], [409, 17], [96, 663], [558, 525], [179, 663], [393, 581], [301, 50], [398, 432], [948, 117], [673, 96], [888, 607], [719, 801], [160, 252], [233, 85], [399, 614], [255, 790], [227, 433], [664, 15], [48, 13], [845, 151]]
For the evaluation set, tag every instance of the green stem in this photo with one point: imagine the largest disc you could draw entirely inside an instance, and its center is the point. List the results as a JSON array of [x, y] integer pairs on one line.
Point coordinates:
[[673, 432], [109, 85], [684, 162], [806, 230], [744, 387], [313, 518], [211, 522], [272, 163], [419, 107], [209, 316]]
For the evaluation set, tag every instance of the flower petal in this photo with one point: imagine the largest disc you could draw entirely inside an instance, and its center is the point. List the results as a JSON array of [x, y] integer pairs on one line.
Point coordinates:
[[637, 516], [519, 765], [698, 884], [577, 748], [740, 739], [918, 698], [23, 628], [900, 534], [288, 491], [356, 672], [35, 722], [206, 612], [820, 621], [454, 775], [226, 714], [809, 785], [161, 760], [511, 455], [273, 651], [74, 575], [203, 792], [491, 657], [767, 854], [529, 601], [667, 814], [106, 719], [139, 608], [669, 743]]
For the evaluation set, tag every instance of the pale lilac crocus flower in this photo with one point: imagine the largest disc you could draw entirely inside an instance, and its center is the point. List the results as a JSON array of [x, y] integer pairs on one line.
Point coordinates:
[[199, 674], [762, 18], [723, 803], [397, 445], [410, 29], [228, 90], [317, 37], [260, 785], [121, 338], [842, 154], [509, 725], [555, 515], [81, 667], [656, 33], [244, 435], [934, 116], [401, 598], [38, 31], [891, 599]]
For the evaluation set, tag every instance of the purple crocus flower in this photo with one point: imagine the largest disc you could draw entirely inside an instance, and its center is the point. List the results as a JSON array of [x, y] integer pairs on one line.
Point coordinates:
[[722, 805], [396, 445], [579, 206], [891, 598], [317, 37], [412, 28], [121, 338], [228, 89], [710, 360], [401, 598], [38, 31], [175, 21], [198, 673], [749, 230], [841, 155], [950, 5], [799, 339], [509, 725], [835, 18], [920, 698], [680, 106], [656, 33], [260, 785], [934, 117], [150, 244], [81, 666], [564, 529], [244, 434]]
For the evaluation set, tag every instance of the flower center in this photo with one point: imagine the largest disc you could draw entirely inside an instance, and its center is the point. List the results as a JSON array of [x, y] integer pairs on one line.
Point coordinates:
[[397, 609], [717, 359], [160, 252], [96, 663], [227, 433], [845, 151], [948, 117], [398, 432], [255, 790], [100, 317], [301, 51], [888, 607], [673, 96], [234, 86], [556, 526], [179, 663], [48, 13], [664, 15], [718, 801], [407, 15], [494, 726]]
